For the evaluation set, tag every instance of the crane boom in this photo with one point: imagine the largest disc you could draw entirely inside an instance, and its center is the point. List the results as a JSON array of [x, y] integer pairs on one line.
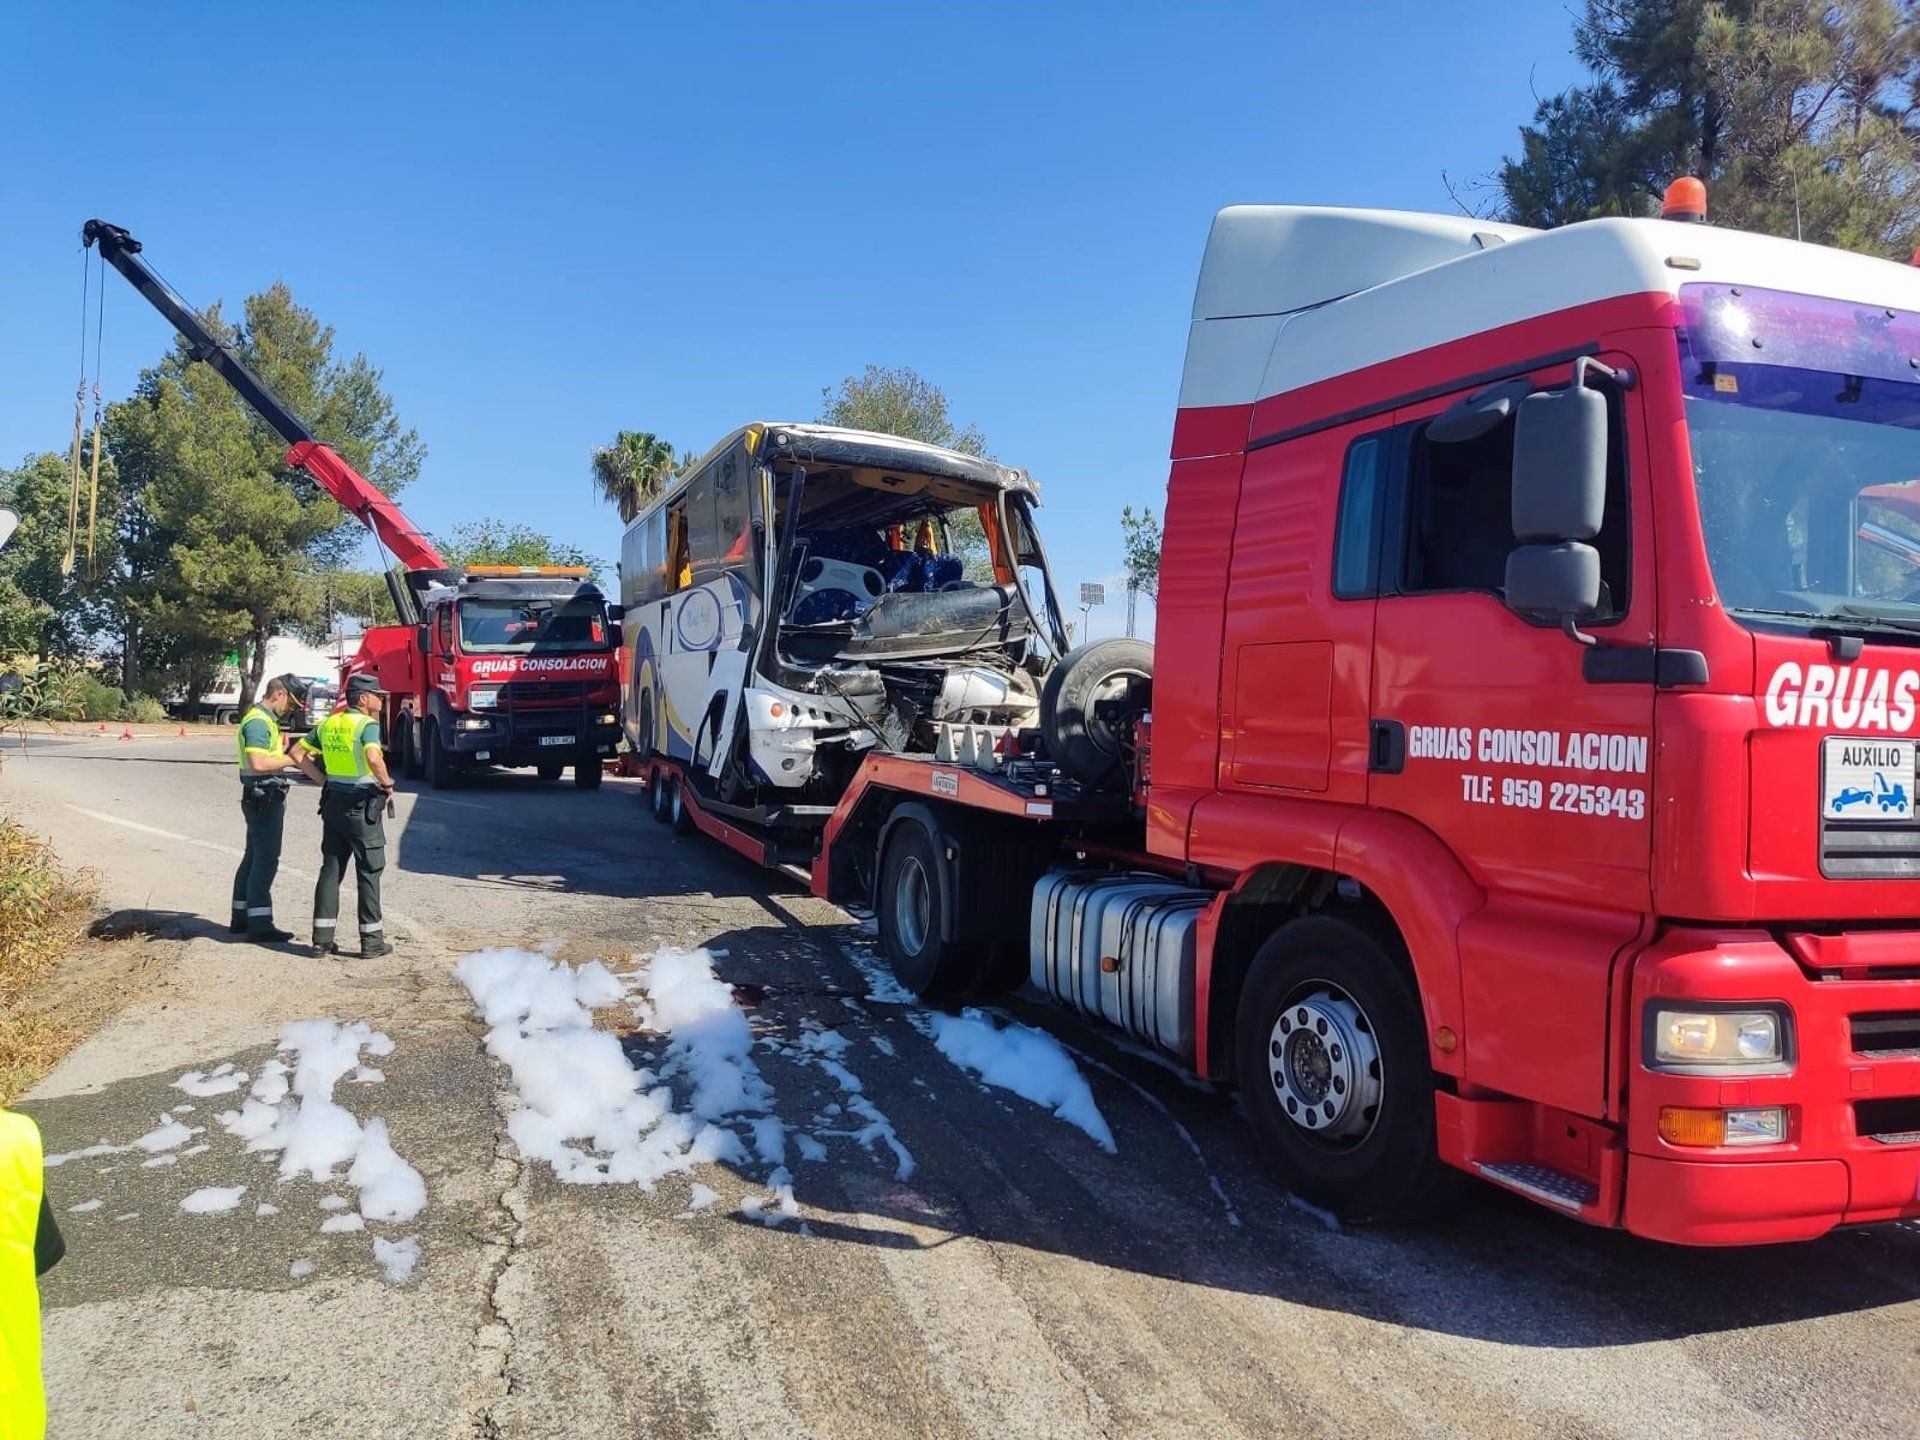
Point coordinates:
[[357, 495]]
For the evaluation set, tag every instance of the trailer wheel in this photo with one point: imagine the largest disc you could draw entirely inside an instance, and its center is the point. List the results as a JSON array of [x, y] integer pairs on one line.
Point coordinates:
[[550, 769], [1331, 1055], [677, 809], [588, 772], [658, 800], [1082, 741], [439, 764], [911, 911]]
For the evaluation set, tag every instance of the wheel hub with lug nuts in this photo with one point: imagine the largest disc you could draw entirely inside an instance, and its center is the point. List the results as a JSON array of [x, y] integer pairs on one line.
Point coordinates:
[[1324, 1062]]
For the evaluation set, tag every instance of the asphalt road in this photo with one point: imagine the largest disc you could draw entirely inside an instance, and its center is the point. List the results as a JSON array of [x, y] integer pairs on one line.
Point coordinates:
[[1021, 1282]]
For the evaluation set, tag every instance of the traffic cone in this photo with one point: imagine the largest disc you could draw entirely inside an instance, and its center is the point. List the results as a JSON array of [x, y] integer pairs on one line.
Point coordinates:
[[183, 733], [126, 732], [103, 727]]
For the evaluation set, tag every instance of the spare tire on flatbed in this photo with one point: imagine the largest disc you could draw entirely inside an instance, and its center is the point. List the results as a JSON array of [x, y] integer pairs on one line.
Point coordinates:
[[1086, 743]]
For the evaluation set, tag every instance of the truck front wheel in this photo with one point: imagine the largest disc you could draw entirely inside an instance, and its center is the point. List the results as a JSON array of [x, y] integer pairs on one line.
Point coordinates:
[[911, 910], [1332, 1061], [588, 772]]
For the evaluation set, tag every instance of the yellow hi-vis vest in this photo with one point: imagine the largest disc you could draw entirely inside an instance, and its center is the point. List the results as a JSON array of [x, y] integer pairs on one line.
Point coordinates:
[[342, 743], [23, 1399], [261, 713]]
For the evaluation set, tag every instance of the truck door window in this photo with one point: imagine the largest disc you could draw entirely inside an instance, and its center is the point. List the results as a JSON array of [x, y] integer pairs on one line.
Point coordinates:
[[1459, 514], [1356, 533], [443, 626]]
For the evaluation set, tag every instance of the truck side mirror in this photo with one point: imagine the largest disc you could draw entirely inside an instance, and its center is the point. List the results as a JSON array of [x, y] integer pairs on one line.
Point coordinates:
[[1559, 503]]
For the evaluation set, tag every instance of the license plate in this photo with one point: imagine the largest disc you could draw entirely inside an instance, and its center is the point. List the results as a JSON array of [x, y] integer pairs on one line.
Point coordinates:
[[1867, 779], [557, 740]]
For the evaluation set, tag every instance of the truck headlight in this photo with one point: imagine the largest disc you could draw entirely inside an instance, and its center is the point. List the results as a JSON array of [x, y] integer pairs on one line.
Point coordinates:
[[1687, 1039], [483, 697], [472, 722]]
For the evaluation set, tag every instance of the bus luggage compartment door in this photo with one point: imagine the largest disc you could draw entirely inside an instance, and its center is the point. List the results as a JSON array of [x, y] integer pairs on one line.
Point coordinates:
[[1120, 947]]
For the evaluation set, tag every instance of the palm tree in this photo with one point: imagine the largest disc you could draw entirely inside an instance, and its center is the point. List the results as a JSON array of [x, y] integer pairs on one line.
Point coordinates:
[[632, 470]]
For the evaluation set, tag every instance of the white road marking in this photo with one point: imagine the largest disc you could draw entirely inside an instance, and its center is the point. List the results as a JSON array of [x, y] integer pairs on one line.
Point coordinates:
[[424, 931]]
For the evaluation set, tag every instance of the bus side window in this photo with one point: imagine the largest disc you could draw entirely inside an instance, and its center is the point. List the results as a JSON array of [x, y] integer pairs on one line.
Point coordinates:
[[679, 559]]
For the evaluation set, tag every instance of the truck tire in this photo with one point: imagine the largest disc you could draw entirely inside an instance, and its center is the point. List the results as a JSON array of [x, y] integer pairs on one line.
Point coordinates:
[[588, 772], [1080, 741], [411, 764], [678, 814], [550, 769], [1331, 1056], [911, 911], [658, 800], [438, 763]]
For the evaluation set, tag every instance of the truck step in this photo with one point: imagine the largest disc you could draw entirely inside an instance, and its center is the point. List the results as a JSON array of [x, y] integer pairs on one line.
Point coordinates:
[[1541, 1182]]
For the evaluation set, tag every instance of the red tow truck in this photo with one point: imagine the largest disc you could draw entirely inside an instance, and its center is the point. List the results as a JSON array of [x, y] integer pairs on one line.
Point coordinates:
[[490, 665], [1525, 785]]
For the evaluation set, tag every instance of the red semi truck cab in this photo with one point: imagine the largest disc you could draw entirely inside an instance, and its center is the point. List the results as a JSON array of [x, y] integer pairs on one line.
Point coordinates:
[[1653, 862], [510, 666], [1522, 783]]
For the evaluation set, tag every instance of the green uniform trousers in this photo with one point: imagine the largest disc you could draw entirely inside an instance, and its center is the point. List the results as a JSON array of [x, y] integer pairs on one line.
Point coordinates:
[[352, 826], [265, 809]]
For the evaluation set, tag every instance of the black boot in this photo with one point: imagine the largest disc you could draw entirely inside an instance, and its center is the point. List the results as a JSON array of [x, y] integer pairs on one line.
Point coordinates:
[[272, 935], [324, 948], [374, 949]]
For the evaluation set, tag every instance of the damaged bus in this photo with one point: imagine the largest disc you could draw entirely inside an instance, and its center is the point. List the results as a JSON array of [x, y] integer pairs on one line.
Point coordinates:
[[806, 595]]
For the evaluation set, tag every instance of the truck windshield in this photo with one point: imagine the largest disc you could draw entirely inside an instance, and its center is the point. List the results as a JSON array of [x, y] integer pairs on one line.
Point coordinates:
[[1803, 416], [490, 627]]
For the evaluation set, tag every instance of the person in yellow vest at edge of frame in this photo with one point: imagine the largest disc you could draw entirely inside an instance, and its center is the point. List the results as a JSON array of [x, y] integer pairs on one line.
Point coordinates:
[[264, 778], [353, 803], [30, 1245]]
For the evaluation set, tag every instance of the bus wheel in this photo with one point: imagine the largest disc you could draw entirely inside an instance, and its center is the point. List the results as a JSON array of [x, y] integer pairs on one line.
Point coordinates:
[[1331, 1057], [911, 910], [646, 725]]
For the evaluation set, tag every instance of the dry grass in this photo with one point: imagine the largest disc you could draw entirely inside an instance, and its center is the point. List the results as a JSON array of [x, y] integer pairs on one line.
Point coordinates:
[[43, 914]]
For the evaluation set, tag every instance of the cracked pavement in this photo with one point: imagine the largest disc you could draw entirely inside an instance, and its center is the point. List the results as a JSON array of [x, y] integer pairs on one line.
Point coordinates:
[[1018, 1282]]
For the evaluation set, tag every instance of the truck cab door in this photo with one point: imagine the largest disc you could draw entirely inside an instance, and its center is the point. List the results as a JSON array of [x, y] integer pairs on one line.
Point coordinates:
[[1531, 764]]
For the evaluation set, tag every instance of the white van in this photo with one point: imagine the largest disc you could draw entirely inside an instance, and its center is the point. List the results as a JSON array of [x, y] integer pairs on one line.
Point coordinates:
[[806, 594]]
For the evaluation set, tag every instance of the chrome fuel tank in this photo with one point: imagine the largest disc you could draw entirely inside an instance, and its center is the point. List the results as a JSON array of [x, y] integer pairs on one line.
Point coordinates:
[[1122, 948]]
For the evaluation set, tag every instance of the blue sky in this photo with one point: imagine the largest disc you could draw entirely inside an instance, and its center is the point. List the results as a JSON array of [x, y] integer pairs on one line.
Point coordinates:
[[549, 222]]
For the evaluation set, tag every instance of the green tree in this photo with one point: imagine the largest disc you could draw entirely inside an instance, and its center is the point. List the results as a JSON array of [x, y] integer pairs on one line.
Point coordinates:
[[900, 401], [42, 609], [1801, 116], [1140, 538], [632, 470], [495, 542], [220, 540]]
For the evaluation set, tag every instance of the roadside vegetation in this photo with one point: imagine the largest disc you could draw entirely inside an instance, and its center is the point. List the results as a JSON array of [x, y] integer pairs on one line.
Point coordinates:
[[35, 691], [44, 910]]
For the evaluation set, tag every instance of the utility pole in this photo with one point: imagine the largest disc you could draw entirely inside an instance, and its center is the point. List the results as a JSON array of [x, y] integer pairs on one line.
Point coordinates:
[[1133, 596]]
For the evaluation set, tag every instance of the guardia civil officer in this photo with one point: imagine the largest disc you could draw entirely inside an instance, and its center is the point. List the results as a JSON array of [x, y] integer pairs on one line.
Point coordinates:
[[30, 1245], [352, 815], [265, 775]]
